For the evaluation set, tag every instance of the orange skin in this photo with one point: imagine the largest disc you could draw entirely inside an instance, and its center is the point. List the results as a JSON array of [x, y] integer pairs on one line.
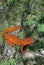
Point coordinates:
[[12, 39]]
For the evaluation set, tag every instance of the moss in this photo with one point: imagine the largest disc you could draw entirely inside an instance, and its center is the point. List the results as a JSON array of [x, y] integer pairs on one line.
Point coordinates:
[[28, 12]]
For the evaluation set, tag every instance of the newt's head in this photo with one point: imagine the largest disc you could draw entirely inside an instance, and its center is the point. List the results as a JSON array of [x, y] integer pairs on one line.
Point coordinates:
[[27, 41], [31, 40]]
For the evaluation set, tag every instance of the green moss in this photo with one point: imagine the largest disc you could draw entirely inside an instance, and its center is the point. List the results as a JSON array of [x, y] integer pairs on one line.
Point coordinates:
[[40, 27], [9, 62], [1, 38], [12, 11], [31, 22]]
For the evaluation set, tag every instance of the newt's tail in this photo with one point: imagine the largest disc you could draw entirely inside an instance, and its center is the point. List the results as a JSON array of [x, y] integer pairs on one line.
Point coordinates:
[[11, 29]]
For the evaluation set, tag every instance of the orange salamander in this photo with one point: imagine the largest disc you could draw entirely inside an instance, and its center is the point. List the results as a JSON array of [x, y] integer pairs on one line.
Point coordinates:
[[12, 39]]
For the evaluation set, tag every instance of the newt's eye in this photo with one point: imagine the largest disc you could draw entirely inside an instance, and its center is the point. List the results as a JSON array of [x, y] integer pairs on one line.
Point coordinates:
[[6, 39]]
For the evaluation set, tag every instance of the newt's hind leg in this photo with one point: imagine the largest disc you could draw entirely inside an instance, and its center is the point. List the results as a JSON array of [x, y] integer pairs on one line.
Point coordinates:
[[9, 43]]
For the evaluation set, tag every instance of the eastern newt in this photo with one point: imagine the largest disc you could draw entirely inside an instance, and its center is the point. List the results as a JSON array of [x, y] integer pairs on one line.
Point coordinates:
[[12, 39]]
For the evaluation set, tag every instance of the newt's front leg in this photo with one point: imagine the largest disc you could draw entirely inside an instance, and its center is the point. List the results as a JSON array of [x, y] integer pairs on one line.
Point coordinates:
[[22, 51]]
